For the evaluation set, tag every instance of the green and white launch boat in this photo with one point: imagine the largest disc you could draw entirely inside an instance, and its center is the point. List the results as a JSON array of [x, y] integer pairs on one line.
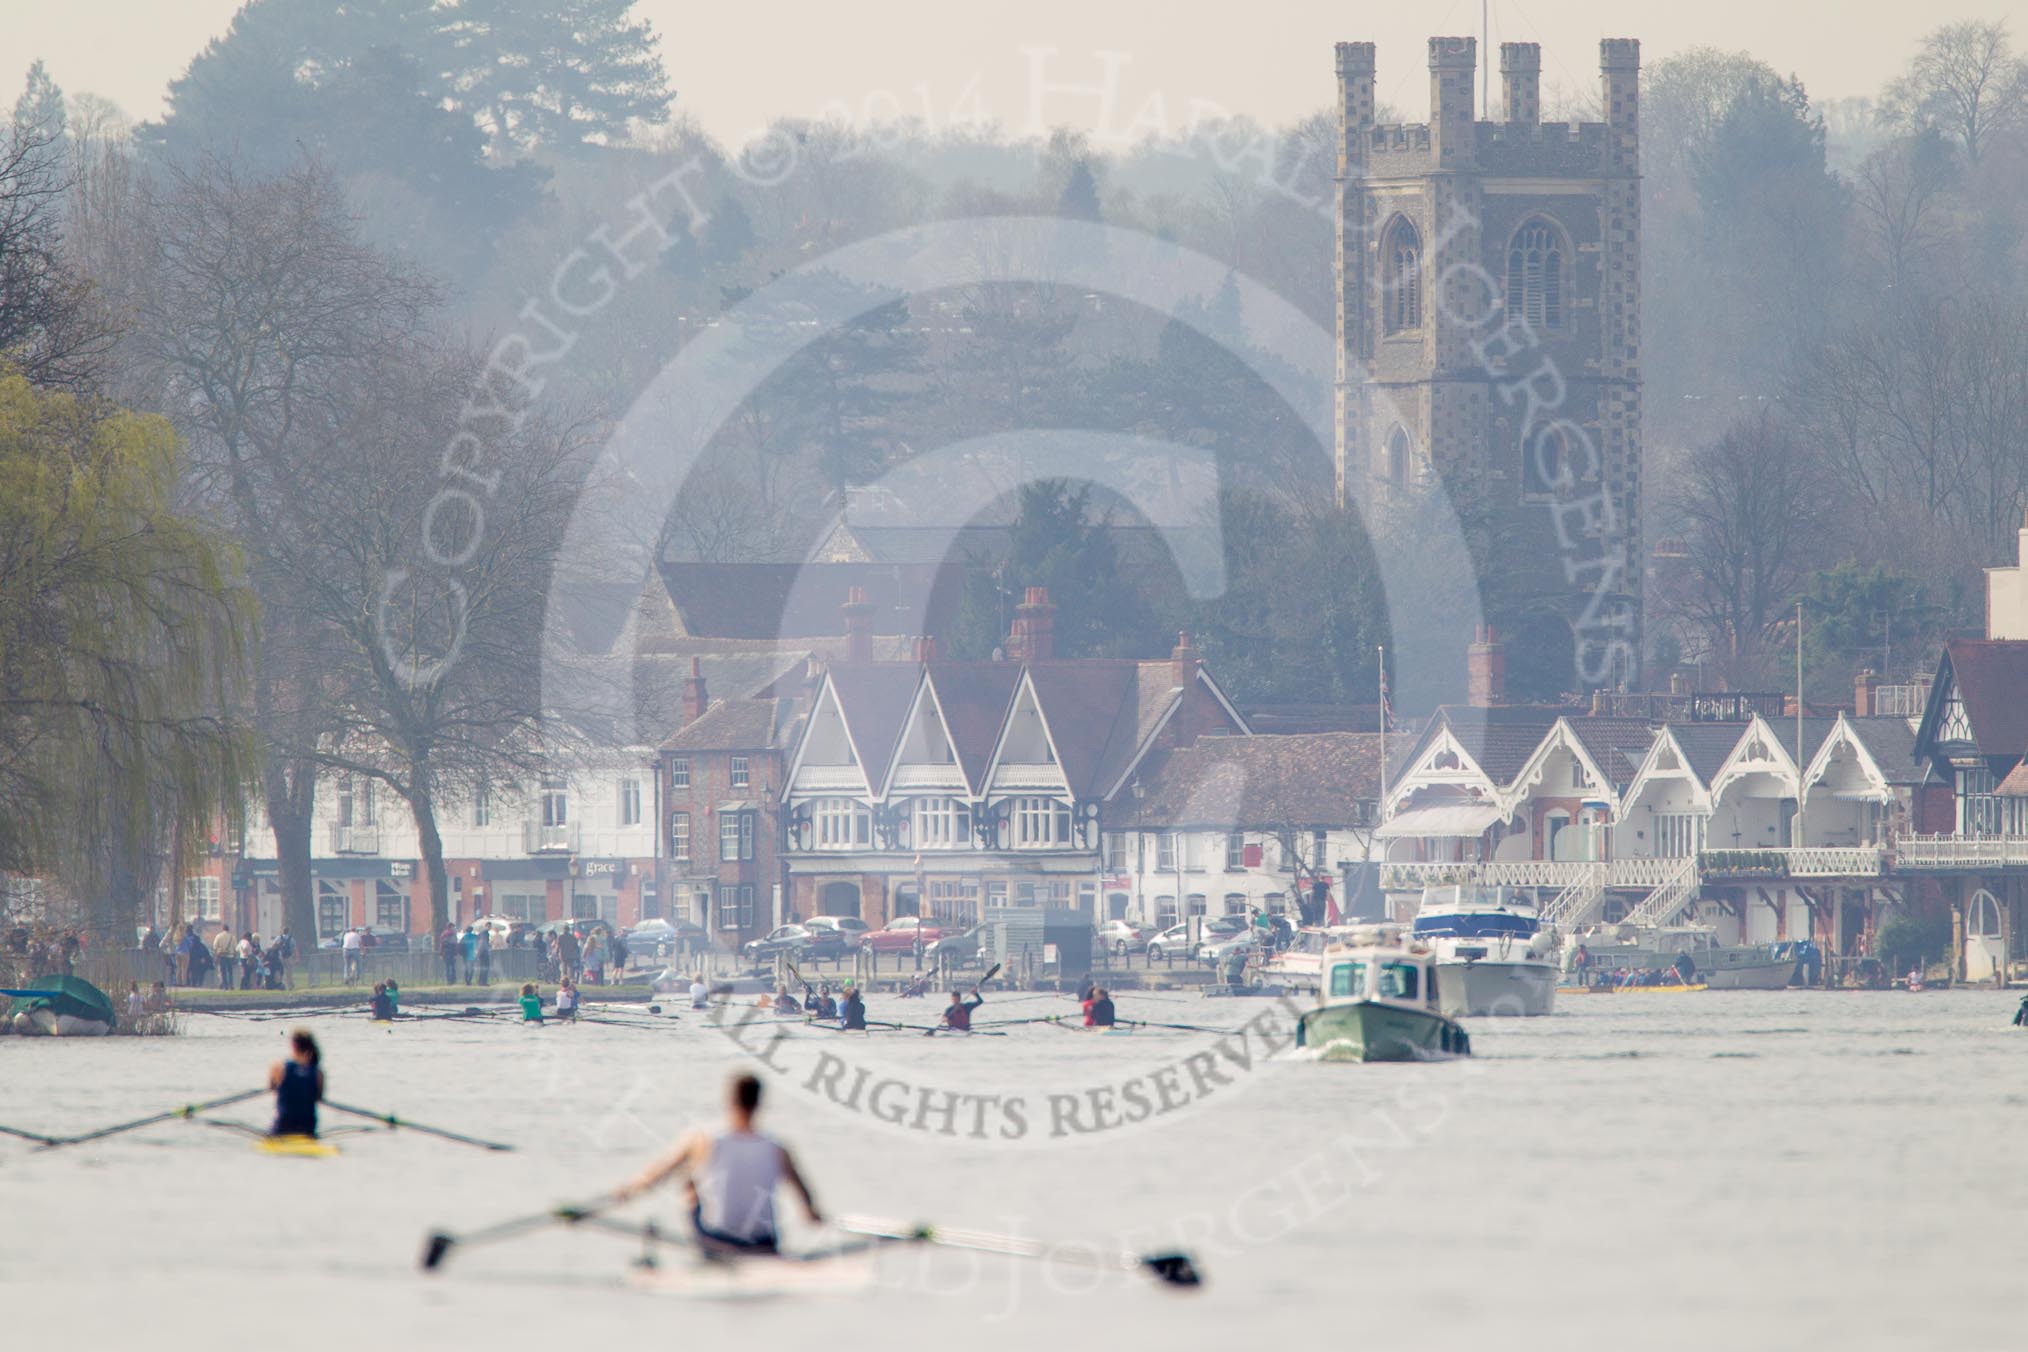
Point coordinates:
[[1378, 1002]]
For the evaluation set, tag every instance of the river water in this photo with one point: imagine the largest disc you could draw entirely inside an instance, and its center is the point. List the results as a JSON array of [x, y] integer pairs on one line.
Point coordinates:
[[1739, 1170]]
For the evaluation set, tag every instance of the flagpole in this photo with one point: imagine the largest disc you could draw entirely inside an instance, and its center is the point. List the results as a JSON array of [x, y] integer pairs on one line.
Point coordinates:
[[1380, 808]]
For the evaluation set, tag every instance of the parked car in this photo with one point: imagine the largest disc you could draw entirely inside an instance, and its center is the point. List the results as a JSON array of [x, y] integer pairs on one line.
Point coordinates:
[[850, 928], [900, 935], [793, 940], [664, 938], [1121, 937], [961, 950], [1175, 941]]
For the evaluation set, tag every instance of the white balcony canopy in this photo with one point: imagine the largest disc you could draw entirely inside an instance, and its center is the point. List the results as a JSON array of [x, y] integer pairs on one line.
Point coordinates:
[[1445, 819]]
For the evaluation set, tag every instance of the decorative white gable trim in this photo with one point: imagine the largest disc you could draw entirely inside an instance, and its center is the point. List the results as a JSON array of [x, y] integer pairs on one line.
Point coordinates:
[[944, 776], [1666, 759], [1842, 736], [1529, 779], [1444, 763], [827, 778], [1759, 751], [1048, 778]]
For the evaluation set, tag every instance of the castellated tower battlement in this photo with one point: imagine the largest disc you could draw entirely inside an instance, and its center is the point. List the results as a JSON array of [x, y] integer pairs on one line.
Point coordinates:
[[1542, 221]]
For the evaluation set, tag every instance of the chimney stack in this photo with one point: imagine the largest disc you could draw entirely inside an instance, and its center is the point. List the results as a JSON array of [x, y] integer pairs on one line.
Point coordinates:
[[1185, 660], [1486, 669], [858, 613], [1521, 81], [1033, 636], [1863, 696], [695, 699]]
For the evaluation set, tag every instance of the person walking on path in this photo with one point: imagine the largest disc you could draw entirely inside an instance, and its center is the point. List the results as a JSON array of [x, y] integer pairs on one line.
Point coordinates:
[[485, 947], [468, 948], [447, 949], [349, 945], [566, 953], [595, 957]]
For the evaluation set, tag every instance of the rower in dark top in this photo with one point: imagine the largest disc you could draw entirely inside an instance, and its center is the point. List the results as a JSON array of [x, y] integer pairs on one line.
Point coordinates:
[[1098, 1010], [299, 1085], [383, 1004], [958, 1014], [852, 1010]]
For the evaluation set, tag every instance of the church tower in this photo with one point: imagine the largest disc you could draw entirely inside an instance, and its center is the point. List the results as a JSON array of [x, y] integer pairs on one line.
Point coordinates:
[[1489, 336]]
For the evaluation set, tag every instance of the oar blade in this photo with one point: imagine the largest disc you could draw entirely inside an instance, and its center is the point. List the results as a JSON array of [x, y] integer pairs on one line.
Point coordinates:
[[1173, 1269], [434, 1250]]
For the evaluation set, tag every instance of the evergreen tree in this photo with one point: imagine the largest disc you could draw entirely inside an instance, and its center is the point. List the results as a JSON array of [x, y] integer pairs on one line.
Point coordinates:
[[557, 73], [1080, 199], [40, 107]]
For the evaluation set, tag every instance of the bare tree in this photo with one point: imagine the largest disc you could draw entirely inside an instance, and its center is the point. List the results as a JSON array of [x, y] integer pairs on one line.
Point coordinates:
[[1965, 81], [1750, 507], [260, 309], [436, 676]]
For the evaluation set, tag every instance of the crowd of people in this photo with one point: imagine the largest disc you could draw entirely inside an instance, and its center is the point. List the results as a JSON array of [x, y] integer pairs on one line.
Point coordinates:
[[231, 962], [589, 959]]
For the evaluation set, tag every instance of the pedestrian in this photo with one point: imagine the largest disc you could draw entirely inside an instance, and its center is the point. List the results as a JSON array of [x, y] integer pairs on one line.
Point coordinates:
[[350, 947], [249, 959], [136, 1005], [285, 948], [485, 949], [468, 948], [619, 956], [225, 951], [447, 949], [566, 953], [595, 957]]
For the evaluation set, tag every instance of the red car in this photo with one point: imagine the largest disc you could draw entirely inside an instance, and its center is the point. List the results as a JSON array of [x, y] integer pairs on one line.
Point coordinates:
[[900, 935]]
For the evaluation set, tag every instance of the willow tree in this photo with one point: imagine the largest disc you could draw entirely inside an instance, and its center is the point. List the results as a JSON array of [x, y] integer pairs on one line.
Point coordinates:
[[120, 630]]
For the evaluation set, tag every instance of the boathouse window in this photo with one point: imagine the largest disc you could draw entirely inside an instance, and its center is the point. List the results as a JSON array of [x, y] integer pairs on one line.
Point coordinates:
[[1401, 298], [1535, 276]]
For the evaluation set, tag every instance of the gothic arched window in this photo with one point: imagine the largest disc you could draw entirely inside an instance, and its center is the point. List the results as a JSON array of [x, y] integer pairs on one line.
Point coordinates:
[[1401, 296], [1396, 465], [1535, 268]]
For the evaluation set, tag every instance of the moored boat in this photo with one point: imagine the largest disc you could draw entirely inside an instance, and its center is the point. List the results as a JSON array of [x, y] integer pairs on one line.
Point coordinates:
[[61, 1006], [1491, 951], [1380, 1002]]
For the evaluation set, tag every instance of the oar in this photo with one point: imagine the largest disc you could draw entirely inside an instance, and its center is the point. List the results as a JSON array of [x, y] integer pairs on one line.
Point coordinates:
[[1172, 1269], [390, 1120], [439, 1244], [187, 1111], [31, 1136]]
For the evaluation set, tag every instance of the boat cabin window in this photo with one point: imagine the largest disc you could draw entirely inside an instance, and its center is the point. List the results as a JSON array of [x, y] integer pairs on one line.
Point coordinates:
[[1348, 978], [1400, 981]]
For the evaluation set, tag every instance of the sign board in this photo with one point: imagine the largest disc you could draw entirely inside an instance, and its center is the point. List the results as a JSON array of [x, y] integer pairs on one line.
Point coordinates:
[[400, 868]]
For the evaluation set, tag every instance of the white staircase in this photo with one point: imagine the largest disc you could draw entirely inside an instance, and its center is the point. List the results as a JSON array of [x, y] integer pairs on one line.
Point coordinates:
[[1661, 906], [1580, 897]]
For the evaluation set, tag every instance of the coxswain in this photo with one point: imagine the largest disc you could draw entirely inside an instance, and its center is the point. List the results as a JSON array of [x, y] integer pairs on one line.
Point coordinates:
[[958, 1014], [383, 1007], [852, 1011], [299, 1086], [1098, 1010], [730, 1177], [786, 1003], [531, 1003], [393, 998]]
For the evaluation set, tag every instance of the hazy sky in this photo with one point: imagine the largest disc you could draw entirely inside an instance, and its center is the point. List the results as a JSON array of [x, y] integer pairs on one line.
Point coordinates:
[[735, 65]]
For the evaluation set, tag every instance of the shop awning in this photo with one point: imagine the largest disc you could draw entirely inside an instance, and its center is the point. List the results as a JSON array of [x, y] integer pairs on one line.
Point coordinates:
[[1446, 819]]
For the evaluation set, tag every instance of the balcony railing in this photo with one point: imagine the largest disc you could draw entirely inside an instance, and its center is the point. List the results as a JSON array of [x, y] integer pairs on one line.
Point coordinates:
[[1546, 873], [1802, 861], [355, 839], [1950, 851], [542, 838]]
